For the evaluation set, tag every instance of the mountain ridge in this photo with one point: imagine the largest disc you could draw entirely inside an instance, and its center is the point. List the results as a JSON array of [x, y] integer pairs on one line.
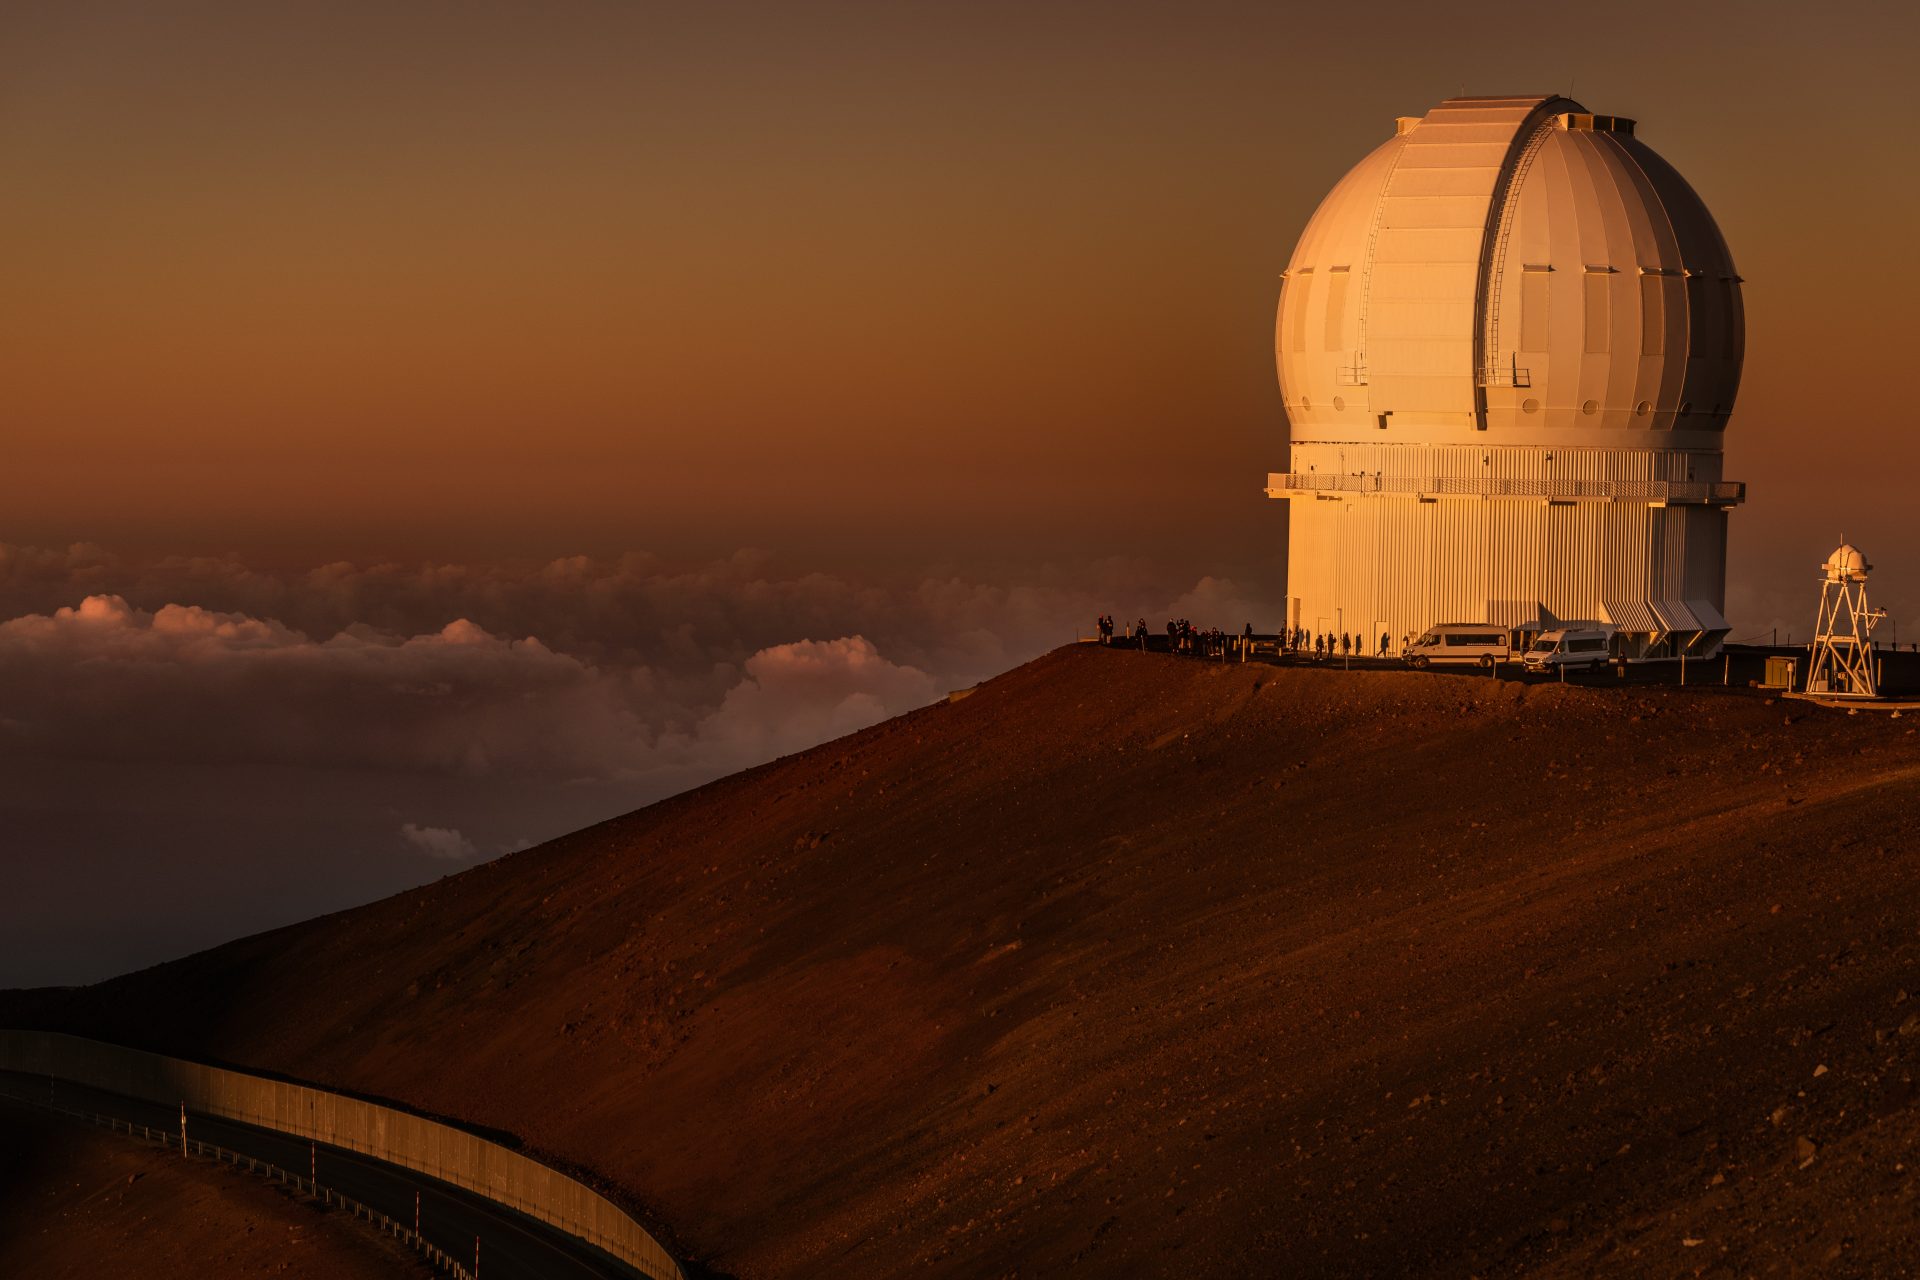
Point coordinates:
[[1133, 964]]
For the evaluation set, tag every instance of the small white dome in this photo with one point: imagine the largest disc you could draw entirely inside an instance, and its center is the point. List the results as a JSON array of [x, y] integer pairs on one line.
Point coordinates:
[[1847, 563]]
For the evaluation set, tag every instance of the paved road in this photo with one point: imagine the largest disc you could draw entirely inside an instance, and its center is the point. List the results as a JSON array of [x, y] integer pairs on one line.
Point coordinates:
[[512, 1246]]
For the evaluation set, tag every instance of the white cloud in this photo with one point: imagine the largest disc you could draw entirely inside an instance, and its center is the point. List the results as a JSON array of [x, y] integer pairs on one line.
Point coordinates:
[[439, 842], [793, 696]]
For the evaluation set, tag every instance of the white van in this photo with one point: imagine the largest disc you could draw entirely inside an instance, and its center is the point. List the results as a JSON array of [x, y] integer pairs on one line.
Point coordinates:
[[1460, 642], [1583, 647]]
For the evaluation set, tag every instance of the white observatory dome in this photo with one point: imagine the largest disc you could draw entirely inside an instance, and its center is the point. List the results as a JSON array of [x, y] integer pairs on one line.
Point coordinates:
[[1518, 266], [1509, 341]]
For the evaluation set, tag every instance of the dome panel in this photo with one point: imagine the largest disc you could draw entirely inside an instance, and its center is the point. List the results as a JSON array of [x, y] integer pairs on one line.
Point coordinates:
[[1316, 334]]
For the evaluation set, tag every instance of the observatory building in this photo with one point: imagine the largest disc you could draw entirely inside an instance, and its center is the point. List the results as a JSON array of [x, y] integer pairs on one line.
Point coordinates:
[[1509, 341]]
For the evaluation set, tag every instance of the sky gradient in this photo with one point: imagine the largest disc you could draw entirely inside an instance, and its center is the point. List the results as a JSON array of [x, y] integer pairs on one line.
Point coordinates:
[[899, 294]]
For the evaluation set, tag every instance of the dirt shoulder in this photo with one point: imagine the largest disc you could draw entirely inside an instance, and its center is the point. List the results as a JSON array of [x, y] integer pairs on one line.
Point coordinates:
[[75, 1202]]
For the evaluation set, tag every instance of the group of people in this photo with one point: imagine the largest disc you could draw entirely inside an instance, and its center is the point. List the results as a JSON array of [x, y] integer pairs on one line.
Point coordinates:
[[1184, 638], [1137, 633], [1328, 645]]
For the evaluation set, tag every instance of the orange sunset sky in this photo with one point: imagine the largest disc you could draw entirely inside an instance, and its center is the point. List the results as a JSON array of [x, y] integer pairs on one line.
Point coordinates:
[[847, 281], [468, 421]]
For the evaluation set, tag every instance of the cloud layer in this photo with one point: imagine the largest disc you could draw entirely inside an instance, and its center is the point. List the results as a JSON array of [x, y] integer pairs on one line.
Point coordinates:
[[349, 730]]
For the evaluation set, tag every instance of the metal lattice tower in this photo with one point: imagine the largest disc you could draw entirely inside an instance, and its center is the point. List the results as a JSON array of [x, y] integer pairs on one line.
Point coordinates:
[[1841, 660]]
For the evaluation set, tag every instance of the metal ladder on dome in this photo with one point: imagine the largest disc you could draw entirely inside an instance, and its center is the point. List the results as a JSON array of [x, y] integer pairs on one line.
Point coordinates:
[[1359, 371], [1489, 371]]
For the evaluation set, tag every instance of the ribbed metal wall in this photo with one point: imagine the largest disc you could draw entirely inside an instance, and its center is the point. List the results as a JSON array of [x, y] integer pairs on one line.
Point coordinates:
[[1394, 563]]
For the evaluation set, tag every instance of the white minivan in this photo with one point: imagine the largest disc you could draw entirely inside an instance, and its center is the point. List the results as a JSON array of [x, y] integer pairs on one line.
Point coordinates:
[[1580, 647], [1460, 642]]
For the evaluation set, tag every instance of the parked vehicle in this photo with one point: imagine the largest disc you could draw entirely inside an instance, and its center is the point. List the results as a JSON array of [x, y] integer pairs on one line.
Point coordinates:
[[1589, 648], [1460, 643]]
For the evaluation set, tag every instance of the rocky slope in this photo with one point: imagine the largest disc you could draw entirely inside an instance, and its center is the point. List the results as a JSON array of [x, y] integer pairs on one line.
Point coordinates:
[[1132, 965]]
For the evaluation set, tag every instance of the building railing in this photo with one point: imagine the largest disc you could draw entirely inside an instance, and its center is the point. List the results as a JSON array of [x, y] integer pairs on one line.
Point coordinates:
[[1677, 492], [1506, 375]]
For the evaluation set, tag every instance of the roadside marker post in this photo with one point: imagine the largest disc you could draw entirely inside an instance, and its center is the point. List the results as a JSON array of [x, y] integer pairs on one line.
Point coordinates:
[[183, 1130]]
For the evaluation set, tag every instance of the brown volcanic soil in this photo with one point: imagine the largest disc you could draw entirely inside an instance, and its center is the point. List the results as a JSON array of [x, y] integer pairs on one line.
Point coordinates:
[[1131, 965], [75, 1202]]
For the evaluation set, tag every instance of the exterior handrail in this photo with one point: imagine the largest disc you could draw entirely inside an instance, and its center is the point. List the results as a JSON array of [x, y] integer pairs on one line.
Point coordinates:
[[1729, 492]]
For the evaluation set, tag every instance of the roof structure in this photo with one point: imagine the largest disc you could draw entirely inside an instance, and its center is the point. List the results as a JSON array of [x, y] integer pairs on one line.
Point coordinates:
[[1517, 265]]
